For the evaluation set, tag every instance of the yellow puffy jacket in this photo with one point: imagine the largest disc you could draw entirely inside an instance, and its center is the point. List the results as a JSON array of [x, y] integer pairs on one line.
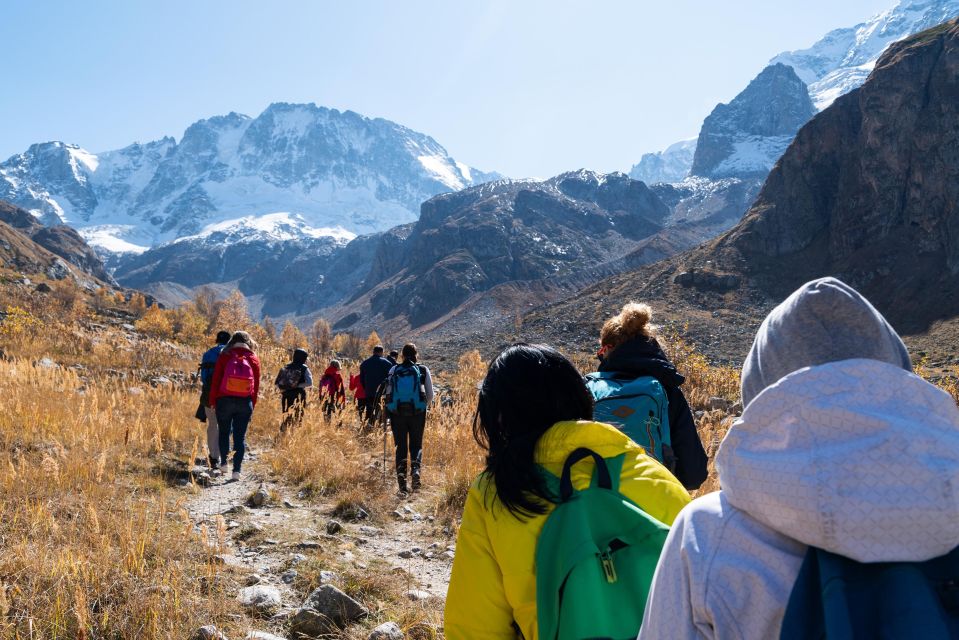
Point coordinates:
[[494, 579]]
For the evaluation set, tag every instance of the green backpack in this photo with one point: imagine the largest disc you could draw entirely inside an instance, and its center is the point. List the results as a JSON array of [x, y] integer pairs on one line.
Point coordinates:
[[595, 557]]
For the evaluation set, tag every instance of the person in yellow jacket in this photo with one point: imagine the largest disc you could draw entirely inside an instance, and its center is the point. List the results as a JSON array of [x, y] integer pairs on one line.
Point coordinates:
[[534, 410]]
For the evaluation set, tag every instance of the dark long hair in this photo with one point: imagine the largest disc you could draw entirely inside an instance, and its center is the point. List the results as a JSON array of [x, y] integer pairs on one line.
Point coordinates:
[[527, 390]]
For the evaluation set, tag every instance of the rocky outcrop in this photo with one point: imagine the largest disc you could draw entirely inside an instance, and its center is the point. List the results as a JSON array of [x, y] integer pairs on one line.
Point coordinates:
[[60, 240], [749, 134]]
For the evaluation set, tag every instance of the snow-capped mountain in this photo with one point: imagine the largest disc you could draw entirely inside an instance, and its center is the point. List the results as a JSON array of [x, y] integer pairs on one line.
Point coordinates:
[[747, 135], [843, 58], [669, 165], [337, 171]]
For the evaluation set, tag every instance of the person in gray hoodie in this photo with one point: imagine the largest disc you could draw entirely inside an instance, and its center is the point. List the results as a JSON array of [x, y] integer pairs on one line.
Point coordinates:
[[841, 447]]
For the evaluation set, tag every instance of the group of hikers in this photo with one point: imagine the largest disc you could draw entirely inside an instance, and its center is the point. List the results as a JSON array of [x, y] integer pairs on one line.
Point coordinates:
[[393, 389], [837, 515]]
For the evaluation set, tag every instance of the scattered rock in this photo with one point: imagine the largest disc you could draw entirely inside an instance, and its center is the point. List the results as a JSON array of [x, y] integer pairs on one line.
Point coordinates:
[[333, 527], [47, 363], [387, 631], [289, 576], [260, 497], [238, 509], [335, 606], [328, 577], [416, 595], [43, 287], [416, 551], [397, 515], [287, 504], [261, 599], [406, 554], [297, 558], [718, 404], [209, 632], [253, 578], [310, 623], [308, 544]]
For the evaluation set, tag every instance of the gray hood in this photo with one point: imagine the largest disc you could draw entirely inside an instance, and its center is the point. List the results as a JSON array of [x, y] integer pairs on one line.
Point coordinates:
[[823, 321]]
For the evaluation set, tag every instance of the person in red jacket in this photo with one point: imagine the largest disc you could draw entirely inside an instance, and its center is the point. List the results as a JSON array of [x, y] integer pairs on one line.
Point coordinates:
[[332, 391], [233, 394], [359, 393]]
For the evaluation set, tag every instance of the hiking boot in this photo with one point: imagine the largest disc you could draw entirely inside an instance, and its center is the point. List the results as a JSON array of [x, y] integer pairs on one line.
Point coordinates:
[[416, 483], [224, 469], [213, 462], [236, 476]]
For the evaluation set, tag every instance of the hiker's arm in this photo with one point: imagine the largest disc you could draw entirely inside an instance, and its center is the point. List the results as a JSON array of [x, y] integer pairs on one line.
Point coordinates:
[[476, 605], [255, 364], [691, 459], [217, 379], [307, 378], [671, 610], [428, 383]]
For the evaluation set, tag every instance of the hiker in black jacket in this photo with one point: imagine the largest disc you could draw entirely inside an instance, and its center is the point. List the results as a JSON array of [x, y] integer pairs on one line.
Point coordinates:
[[373, 373], [629, 346]]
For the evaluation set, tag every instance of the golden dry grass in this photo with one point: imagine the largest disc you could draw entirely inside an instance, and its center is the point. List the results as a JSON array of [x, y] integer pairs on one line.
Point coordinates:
[[94, 543]]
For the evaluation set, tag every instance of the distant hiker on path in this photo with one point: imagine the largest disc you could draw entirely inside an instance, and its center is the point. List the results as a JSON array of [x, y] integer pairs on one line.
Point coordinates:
[[842, 456], [332, 391], [359, 394], [207, 365], [637, 389], [235, 387], [373, 373], [293, 380], [409, 393], [521, 534], [393, 357]]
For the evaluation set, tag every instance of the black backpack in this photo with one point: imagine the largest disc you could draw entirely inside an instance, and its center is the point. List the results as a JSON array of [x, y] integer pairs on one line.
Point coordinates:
[[290, 376]]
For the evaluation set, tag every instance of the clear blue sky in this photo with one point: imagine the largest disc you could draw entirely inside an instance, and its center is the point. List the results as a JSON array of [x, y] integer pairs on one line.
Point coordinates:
[[525, 87]]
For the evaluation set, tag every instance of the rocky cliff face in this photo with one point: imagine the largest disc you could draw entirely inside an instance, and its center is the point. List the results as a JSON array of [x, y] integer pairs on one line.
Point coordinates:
[[510, 231], [59, 240], [749, 134]]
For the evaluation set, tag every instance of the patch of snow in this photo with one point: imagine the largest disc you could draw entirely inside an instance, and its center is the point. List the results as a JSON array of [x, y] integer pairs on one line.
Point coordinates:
[[108, 237], [672, 164], [83, 157], [465, 170], [443, 170], [279, 226], [755, 154]]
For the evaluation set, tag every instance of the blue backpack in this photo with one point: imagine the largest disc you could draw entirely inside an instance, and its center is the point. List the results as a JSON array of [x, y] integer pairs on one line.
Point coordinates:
[[838, 598], [636, 406], [404, 391]]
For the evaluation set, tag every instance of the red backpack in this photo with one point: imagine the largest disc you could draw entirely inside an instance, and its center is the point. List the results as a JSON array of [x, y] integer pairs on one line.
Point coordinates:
[[237, 376]]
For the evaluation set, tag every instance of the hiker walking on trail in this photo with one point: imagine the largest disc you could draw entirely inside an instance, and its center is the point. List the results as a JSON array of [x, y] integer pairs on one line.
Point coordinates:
[[207, 364], [526, 560], [234, 390], [637, 389], [331, 389], [409, 393], [359, 394], [373, 373], [393, 357], [293, 380], [840, 470]]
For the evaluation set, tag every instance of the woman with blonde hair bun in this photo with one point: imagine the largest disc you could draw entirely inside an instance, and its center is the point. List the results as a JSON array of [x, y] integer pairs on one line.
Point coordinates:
[[637, 389]]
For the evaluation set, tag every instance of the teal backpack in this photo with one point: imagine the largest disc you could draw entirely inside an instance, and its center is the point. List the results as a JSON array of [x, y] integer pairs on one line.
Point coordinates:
[[595, 557], [404, 395], [838, 598], [636, 406]]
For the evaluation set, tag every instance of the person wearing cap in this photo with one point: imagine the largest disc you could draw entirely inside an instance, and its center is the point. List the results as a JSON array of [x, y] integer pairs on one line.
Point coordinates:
[[207, 364]]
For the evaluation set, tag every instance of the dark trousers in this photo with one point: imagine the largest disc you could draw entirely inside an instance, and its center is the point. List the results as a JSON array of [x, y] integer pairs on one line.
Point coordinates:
[[293, 402], [370, 411], [408, 438], [233, 416]]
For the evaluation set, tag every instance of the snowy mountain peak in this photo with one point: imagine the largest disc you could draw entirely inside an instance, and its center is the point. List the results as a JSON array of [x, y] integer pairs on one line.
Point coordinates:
[[749, 134], [339, 171], [669, 165], [844, 58]]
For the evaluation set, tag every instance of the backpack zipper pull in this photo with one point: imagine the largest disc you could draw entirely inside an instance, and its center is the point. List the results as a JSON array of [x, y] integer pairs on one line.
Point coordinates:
[[606, 559]]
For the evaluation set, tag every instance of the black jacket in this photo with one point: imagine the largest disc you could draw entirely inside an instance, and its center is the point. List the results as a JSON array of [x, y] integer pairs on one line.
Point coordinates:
[[373, 371], [644, 357]]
